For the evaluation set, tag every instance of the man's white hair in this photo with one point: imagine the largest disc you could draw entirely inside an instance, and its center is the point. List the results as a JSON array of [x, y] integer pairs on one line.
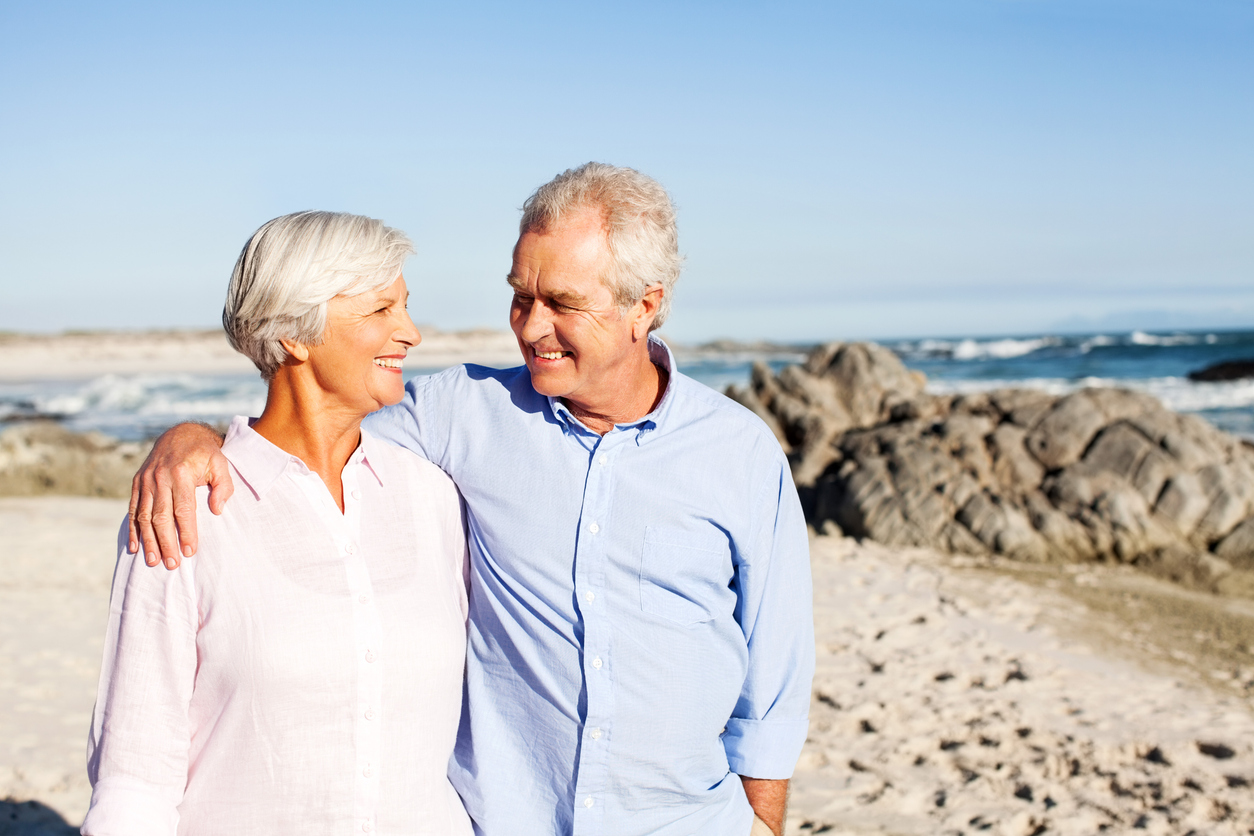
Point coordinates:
[[639, 222], [292, 266]]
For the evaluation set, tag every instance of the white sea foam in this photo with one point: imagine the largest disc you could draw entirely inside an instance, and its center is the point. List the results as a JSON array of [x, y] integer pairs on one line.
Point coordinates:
[[973, 349], [1000, 349], [1176, 393], [1142, 338], [1099, 341]]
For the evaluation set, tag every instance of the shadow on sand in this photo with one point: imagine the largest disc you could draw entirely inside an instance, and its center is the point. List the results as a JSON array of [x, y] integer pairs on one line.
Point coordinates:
[[31, 818]]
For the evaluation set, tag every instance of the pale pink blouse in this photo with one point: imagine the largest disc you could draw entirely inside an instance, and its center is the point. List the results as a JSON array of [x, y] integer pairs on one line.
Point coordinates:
[[303, 672]]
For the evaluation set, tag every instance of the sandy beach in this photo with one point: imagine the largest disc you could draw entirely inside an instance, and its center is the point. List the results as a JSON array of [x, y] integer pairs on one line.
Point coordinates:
[[951, 696]]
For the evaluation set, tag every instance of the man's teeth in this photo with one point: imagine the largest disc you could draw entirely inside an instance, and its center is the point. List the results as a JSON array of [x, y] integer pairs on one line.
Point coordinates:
[[388, 362], [550, 355]]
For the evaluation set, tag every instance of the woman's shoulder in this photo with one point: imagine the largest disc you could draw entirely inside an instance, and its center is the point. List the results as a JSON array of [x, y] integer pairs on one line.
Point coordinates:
[[403, 460]]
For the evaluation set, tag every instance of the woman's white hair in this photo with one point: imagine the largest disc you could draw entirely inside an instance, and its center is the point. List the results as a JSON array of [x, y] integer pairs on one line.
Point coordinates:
[[292, 266], [639, 221]]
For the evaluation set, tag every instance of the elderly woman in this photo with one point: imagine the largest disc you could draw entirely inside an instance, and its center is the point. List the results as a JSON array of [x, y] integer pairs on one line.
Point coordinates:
[[304, 673]]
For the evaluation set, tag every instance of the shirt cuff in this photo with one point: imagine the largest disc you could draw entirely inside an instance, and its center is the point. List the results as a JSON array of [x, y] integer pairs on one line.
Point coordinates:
[[122, 807], [764, 748]]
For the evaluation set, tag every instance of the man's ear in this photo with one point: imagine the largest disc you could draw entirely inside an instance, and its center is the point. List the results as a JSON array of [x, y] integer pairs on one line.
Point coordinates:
[[296, 351], [646, 311]]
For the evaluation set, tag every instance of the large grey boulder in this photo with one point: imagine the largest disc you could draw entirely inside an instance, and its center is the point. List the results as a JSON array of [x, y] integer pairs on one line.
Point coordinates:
[[1097, 475]]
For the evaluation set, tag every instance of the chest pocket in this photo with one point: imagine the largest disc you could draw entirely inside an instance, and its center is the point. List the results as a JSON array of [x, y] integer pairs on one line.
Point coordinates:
[[685, 576]]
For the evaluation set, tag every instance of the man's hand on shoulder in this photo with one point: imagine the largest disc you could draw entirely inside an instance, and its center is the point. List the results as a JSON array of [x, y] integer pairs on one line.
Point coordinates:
[[163, 493]]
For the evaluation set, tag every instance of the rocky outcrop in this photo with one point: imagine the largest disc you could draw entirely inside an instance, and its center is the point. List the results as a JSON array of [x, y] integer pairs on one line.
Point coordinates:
[[41, 457], [1101, 474], [1229, 370]]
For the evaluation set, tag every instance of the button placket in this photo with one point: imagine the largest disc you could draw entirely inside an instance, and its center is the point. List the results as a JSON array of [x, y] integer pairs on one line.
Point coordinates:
[[369, 642], [592, 772]]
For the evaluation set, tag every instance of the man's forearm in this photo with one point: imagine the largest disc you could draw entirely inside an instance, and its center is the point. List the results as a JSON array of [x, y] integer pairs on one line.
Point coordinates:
[[769, 800]]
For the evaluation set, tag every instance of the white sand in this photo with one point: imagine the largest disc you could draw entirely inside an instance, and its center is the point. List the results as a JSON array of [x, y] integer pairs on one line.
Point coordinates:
[[934, 684], [86, 355], [946, 703]]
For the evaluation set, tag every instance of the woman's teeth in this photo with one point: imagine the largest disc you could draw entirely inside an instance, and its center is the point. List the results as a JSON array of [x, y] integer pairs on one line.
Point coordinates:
[[550, 355], [388, 362]]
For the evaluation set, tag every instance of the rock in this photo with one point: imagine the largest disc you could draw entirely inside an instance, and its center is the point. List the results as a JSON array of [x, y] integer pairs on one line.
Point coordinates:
[[1238, 547], [1016, 470], [1228, 370], [1023, 407], [1063, 435], [42, 457], [1100, 474], [1183, 502]]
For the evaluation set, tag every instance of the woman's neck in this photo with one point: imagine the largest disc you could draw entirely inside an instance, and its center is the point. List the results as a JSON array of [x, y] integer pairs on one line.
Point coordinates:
[[300, 419]]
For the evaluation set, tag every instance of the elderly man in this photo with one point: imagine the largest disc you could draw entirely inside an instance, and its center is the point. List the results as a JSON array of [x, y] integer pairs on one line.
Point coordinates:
[[641, 643]]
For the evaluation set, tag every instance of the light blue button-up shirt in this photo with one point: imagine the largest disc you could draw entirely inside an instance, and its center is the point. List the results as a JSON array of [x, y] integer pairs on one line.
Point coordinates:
[[640, 606]]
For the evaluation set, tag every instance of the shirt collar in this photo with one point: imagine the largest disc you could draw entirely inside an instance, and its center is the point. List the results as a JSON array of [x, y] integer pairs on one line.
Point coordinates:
[[660, 354], [259, 462]]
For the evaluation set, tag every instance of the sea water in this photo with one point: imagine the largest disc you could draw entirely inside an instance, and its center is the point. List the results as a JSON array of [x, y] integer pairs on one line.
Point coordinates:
[[139, 406]]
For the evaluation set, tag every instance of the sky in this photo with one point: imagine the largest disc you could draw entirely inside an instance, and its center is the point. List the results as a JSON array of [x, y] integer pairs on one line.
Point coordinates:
[[841, 170]]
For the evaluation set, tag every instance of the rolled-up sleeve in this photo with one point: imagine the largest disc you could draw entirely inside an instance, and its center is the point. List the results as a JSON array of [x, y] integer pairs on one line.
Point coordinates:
[[769, 725], [137, 748]]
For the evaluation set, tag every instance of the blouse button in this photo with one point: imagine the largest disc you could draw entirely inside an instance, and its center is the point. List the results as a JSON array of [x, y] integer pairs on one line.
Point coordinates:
[[370, 656], [356, 494]]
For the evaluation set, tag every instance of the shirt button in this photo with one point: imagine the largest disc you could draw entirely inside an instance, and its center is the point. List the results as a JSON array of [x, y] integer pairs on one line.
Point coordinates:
[[588, 802], [368, 771], [596, 663], [367, 826], [351, 548], [589, 597], [363, 599], [356, 494], [369, 715], [603, 459], [595, 734], [594, 528], [369, 655]]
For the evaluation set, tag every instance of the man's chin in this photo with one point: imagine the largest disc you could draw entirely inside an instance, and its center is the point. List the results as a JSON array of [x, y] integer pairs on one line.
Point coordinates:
[[548, 384]]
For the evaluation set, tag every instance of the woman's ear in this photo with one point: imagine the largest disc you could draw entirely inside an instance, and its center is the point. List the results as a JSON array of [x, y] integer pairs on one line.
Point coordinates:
[[297, 351]]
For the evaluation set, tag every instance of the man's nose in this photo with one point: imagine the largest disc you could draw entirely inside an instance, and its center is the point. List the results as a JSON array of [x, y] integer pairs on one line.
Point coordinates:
[[537, 323]]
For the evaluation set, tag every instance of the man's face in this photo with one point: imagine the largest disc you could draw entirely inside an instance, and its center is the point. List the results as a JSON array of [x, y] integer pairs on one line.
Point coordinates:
[[575, 341]]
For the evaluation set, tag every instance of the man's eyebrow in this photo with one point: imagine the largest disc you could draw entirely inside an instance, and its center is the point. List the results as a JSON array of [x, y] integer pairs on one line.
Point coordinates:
[[569, 298], [515, 282]]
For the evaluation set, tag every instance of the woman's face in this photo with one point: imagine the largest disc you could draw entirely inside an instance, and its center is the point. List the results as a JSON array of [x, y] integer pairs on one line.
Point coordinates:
[[359, 360]]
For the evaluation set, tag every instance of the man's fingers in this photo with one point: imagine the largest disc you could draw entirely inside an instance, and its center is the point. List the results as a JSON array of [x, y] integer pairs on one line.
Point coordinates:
[[141, 518], [183, 491], [220, 484], [132, 532], [163, 523]]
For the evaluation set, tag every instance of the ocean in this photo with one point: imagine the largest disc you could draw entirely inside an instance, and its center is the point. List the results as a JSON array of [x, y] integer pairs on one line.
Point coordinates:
[[139, 406]]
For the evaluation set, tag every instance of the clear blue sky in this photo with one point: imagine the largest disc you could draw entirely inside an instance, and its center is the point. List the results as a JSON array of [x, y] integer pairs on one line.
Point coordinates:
[[841, 169]]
